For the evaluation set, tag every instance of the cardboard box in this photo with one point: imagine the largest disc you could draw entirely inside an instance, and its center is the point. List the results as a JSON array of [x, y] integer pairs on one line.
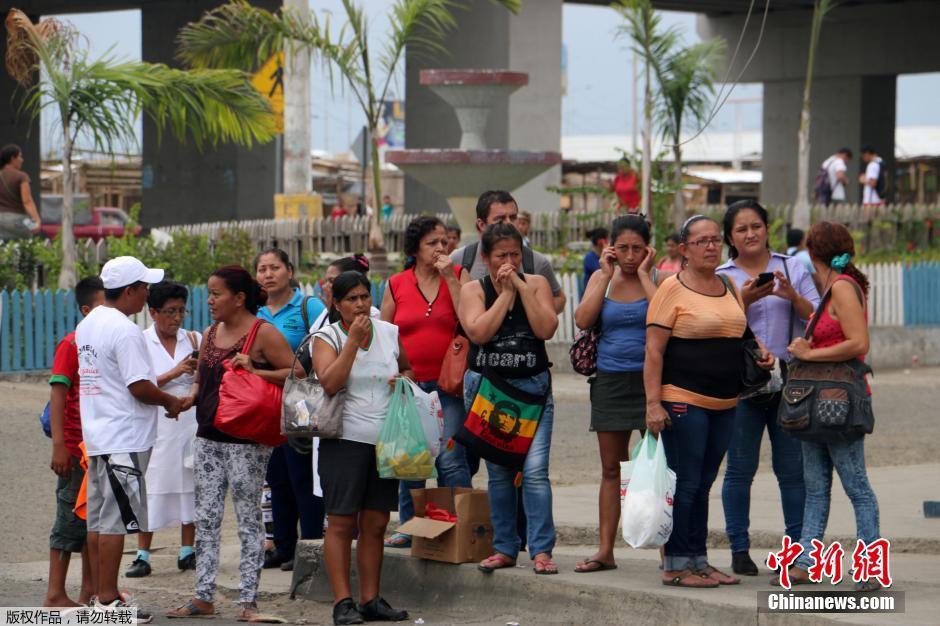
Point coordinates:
[[468, 539]]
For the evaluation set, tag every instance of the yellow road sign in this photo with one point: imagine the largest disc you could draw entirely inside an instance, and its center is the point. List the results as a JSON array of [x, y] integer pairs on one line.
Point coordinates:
[[269, 80]]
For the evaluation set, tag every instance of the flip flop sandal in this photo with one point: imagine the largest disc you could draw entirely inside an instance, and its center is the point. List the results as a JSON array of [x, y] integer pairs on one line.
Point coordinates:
[[708, 571], [868, 586], [775, 581], [676, 581], [192, 611], [398, 540], [501, 561], [545, 567], [601, 566]]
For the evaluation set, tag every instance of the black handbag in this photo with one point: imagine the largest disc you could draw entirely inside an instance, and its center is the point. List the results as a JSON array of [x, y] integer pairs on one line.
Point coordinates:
[[826, 402], [753, 376]]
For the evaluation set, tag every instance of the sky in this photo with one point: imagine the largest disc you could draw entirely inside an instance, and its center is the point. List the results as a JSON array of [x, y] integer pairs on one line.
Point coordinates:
[[597, 101]]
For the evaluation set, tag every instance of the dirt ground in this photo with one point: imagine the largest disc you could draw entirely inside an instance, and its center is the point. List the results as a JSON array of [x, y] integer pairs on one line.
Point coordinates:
[[906, 432]]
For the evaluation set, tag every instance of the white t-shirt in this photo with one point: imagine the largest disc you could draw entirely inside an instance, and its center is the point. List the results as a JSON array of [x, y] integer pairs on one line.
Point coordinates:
[[872, 171], [367, 389], [112, 354], [833, 166]]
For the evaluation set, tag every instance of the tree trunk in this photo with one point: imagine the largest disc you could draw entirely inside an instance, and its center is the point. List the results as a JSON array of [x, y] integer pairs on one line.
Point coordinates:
[[68, 275], [376, 237], [801, 208], [298, 175], [647, 167], [678, 215]]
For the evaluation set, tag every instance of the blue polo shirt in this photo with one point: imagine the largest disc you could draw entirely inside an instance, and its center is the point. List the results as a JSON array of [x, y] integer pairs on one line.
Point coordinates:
[[289, 318]]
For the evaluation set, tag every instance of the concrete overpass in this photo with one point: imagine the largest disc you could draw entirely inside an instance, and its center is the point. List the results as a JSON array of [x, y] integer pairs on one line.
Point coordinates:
[[865, 45]]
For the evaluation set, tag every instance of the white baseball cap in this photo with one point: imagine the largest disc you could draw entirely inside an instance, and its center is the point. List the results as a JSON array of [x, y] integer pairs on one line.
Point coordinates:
[[127, 270]]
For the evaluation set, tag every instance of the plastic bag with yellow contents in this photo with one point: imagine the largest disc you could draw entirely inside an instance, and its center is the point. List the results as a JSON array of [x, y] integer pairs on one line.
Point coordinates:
[[402, 450]]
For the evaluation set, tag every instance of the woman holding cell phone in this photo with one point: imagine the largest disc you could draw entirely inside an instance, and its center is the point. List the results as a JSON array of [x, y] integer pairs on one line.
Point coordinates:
[[779, 296]]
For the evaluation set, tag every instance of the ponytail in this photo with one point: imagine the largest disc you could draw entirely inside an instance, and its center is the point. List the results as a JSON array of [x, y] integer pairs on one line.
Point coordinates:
[[856, 274]]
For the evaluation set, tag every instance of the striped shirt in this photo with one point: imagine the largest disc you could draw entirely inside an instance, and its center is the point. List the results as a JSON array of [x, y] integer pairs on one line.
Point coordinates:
[[702, 361]]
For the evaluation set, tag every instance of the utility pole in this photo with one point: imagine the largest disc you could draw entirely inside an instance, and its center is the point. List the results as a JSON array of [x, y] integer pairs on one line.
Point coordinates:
[[298, 175]]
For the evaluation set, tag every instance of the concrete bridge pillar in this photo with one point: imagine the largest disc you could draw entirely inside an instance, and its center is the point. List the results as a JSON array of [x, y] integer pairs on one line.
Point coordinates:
[[181, 184], [17, 127], [847, 111], [490, 37]]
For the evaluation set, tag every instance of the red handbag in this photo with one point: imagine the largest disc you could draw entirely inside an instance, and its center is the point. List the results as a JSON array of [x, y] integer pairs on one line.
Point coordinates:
[[450, 380], [249, 406]]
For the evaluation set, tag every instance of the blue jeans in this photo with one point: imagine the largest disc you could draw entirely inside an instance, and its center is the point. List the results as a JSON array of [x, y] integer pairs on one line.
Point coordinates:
[[743, 455], [452, 468], [536, 488], [695, 445], [290, 476], [849, 461]]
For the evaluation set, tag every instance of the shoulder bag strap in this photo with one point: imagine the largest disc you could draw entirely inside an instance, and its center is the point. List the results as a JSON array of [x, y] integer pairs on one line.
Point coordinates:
[[528, 260], [786, 270], [250, 339], [304, 314], [825, 300], [469, 255]]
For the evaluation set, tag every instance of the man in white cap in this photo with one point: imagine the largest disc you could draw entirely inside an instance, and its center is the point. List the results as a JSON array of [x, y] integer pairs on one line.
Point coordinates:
[[119, 399]]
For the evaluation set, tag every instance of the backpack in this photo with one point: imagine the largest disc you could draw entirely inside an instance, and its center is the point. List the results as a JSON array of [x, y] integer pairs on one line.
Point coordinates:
[[822, 189], [880, 182], [470, 254]]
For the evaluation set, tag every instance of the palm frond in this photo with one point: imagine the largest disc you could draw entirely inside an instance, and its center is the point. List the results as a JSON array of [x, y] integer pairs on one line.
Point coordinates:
[[686, 85], [239, 35]]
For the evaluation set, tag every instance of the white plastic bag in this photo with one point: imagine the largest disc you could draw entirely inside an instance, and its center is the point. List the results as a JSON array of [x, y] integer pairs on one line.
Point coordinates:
[[626, 470], [432, 416], [646, 516]]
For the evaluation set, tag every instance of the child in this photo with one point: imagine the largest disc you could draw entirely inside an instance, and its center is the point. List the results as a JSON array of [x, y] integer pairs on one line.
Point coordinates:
[[68, 530]]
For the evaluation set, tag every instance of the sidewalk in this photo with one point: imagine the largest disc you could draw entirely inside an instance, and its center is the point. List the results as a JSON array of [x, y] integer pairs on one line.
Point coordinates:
[[901, 491]]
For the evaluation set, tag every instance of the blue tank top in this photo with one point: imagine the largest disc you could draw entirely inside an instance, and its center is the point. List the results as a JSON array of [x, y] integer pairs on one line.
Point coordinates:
[[622, 346]]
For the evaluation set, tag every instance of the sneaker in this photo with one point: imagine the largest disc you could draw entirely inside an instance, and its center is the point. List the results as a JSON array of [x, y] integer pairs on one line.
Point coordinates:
[[287, 566], [742, 564], [138, 569], [143, 615], [345, 612], [378, 610], [187, 562]]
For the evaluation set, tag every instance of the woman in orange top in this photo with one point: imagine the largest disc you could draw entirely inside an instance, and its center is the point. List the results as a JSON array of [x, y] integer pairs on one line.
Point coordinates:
[[692, 370]]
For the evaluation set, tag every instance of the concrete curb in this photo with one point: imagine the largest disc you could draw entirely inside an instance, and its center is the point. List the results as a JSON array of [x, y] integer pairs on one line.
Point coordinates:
[[568, 535], [554, 599]]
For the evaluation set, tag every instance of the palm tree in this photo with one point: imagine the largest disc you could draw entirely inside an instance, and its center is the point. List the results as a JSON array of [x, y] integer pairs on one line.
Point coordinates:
[[652, 44], [686, 84], [240, 35], [101, 98], [801, 208]]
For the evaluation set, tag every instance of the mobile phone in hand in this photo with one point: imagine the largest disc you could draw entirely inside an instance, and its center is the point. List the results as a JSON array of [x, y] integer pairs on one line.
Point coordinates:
[[194, 355], [763, 278]]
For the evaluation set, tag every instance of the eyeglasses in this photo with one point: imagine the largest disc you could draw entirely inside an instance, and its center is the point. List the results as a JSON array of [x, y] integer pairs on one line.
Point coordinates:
[[172, 312], [712, 242]]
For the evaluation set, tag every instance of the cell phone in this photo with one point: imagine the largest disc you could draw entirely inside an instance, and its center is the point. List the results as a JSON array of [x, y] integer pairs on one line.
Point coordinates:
[[763, 278], [195, 355]]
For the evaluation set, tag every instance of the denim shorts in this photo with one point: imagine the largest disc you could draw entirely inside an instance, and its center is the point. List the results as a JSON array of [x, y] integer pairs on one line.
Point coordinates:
[[68, 530]]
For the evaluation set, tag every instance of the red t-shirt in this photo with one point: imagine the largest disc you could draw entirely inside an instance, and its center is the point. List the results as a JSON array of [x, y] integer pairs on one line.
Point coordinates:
[[338, 212], [65, 372], [625, 188], [426, 328]]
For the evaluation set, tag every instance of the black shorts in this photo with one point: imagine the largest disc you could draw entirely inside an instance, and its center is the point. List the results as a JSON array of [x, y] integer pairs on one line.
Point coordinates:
[[350, 479]]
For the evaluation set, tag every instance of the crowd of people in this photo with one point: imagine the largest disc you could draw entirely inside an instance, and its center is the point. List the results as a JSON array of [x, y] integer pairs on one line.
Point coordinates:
[[669, 362]]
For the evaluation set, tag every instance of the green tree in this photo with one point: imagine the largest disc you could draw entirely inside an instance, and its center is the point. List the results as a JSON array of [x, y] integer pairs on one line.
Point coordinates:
[[652, 43], [240, 35], [101, 98], [686, 86]]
